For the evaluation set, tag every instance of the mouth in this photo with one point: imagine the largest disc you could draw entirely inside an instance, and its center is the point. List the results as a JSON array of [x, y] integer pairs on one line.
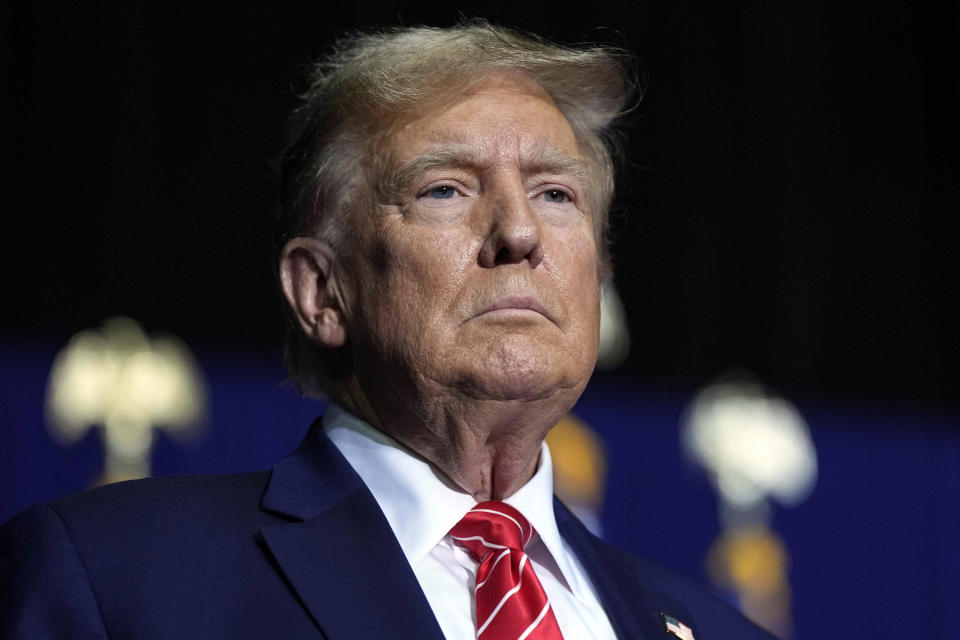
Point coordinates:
[[515, 307]]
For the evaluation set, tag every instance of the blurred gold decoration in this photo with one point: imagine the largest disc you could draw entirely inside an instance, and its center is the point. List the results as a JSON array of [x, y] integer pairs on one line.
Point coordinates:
[[756, 446], [127, 384], [752, 561], [579, 468]]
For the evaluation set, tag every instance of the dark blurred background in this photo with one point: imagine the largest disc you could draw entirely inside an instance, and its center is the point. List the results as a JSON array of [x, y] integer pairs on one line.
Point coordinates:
[[789, 207]]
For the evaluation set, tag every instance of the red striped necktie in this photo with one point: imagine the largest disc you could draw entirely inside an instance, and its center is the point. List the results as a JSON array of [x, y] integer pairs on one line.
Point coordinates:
[[511, 603]]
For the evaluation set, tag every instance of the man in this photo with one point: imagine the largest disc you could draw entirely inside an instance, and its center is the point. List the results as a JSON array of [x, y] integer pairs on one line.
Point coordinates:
[[443, 244]]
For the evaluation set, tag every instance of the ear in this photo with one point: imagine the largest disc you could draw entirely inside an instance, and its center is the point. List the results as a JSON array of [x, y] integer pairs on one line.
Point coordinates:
[[306, 275]]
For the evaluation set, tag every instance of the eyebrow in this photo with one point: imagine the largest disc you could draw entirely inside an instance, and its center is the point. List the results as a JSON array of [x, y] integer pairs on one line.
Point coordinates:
[[544, 158], [397, 177], [547, 158]]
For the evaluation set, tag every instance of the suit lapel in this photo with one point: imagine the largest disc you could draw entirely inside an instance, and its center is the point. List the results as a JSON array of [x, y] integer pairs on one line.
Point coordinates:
[[633, 609], [337, 550]]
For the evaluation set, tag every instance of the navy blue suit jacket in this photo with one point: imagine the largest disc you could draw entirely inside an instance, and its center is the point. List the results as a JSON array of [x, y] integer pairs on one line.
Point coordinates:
[[302, 551]]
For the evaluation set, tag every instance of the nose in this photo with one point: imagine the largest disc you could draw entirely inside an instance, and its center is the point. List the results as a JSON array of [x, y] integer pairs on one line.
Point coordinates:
[[514, 232]]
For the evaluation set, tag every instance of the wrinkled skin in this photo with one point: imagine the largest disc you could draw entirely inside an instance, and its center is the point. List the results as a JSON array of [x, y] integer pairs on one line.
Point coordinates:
[[469, 294]]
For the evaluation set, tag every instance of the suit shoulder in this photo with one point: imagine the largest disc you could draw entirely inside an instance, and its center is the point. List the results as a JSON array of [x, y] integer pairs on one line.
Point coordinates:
[[182, 489], [115, 556], [44, 588], [158, 504]]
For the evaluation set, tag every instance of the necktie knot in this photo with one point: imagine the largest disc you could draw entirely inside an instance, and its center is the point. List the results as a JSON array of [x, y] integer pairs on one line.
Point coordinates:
[[510, 601], [492, 526]]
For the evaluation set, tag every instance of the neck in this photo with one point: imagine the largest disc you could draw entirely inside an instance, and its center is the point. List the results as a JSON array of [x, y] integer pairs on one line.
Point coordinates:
[[488, 447]]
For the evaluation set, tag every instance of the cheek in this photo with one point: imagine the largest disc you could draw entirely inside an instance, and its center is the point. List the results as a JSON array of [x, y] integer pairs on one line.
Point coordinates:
[[418, 275], [575, 265], [578, 284], [423, 257]]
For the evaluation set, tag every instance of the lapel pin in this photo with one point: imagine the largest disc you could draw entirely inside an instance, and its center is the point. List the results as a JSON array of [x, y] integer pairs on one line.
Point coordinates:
[[676, 628]]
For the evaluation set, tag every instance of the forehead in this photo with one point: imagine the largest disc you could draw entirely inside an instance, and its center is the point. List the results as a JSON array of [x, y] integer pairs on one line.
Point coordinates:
[[507, 116]]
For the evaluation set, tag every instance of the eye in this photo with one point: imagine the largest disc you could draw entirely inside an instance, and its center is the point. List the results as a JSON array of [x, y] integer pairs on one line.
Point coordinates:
[[556, 196], [442, 192]]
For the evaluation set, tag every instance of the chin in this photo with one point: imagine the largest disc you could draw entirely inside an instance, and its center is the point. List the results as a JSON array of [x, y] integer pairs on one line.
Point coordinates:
[[516, 369]]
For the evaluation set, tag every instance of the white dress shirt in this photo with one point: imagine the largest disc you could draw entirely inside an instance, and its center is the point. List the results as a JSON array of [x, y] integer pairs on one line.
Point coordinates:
[[422, 506]]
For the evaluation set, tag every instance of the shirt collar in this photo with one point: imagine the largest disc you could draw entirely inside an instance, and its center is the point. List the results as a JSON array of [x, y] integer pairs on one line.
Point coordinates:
[[421, 504]]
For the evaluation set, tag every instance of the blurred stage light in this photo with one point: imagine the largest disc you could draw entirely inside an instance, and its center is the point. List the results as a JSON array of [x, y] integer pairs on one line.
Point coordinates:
[[755, 446]]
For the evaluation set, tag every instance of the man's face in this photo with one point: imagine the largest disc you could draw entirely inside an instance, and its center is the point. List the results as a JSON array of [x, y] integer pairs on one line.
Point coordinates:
[[476, 270]]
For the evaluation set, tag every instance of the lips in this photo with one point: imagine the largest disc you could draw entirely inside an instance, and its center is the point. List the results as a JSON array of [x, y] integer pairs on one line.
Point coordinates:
[[522, 302]]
